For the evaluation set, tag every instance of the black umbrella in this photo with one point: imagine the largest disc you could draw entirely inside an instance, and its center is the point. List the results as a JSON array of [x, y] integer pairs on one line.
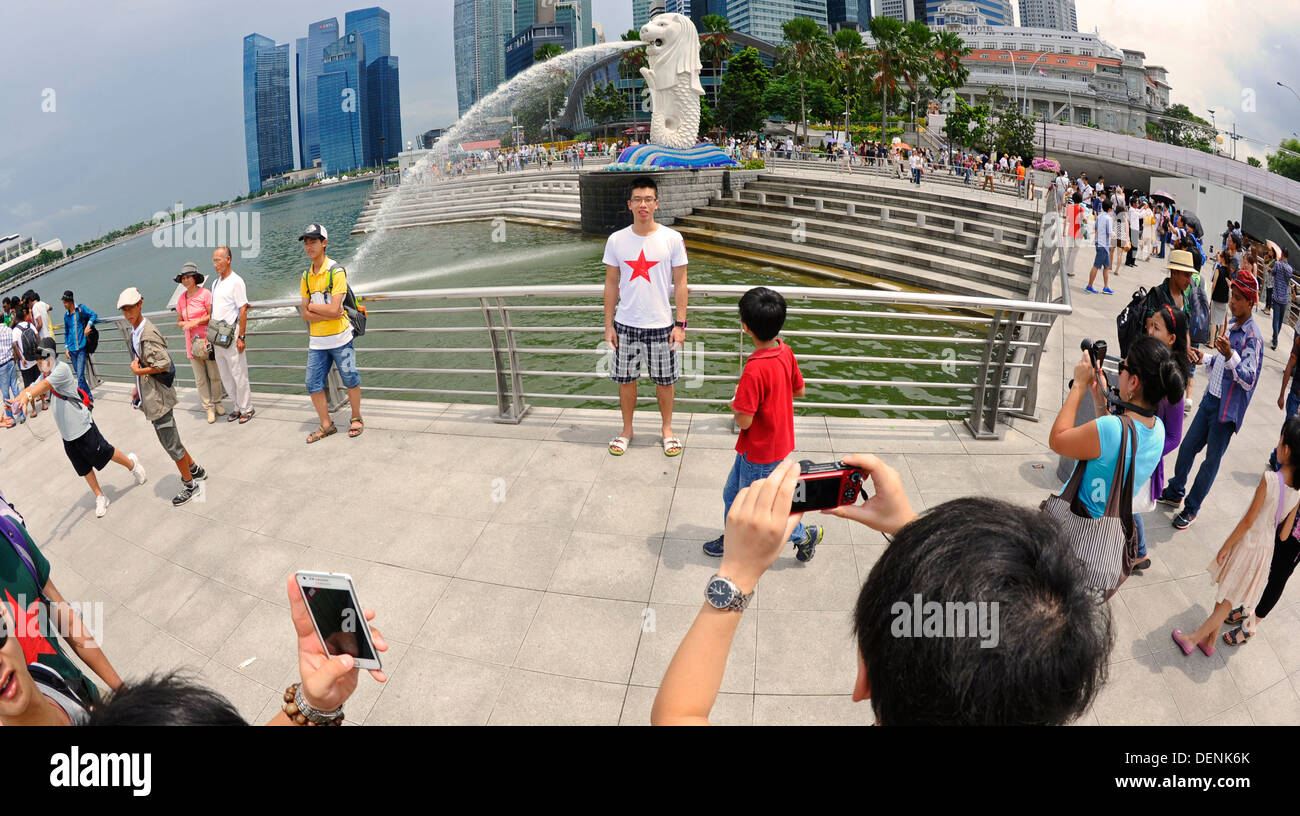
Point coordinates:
[[1190, 219]]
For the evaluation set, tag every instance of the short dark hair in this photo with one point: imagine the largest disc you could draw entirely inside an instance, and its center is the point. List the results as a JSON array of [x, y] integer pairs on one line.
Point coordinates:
[[165, 699], [1107, 205], [1054, 636], [640, 183], [763, 311]]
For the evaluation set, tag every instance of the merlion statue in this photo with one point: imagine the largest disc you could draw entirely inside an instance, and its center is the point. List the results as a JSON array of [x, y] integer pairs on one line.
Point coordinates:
[[673, 77]]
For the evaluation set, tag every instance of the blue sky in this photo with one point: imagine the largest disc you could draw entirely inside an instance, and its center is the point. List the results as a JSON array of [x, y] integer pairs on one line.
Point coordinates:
[[148, 104]]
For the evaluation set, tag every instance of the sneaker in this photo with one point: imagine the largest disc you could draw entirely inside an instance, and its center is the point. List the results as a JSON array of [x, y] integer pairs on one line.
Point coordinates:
[[137, 469], [1187, 406], [197, 473], [101, 505], [188, 489], [806, 549], [1184, 520], [714, 547], [1107, 291], [1169, 499], [1090, 289]]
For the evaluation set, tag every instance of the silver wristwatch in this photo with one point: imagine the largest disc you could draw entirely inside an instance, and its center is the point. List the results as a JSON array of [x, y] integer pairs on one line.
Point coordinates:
[[722, 593]]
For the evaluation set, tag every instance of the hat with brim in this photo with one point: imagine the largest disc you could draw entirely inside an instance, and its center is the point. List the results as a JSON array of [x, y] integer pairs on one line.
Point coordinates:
[[1181, 260], [190, 268], [46, 349], [129, 297], [314, 231]]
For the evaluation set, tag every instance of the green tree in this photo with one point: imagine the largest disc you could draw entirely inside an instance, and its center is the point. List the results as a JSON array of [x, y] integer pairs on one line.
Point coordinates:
[[805, 56], [547, 51], [888, 62], [851, 70], [706, 119], [634, 59], [605, 103], [1179, 126], [715, 46], [948, 70], [740, 102], [967, 125], [918, 60], [1286, 162], [1253, 162]]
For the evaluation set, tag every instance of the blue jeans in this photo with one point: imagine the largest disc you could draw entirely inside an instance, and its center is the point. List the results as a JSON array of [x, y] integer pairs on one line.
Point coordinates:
[[79, 366], [318, 365], [1209, 433], [1292, 408], [1142, 535], [1279, 315], [9, 386], [743, 474], [916, 177]]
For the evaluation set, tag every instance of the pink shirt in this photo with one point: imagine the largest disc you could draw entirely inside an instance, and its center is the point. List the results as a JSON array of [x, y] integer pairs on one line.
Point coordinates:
[[194, 308]]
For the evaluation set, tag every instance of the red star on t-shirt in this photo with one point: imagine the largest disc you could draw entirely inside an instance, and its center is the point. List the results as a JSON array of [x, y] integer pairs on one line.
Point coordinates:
[[640, 267], [33, 646]]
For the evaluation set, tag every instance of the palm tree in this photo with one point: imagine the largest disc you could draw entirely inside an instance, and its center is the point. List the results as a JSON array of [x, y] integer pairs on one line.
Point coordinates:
[[806, 55], [919, 57], [851, 67], [715, 47], [629, 67], [949, 51], [888, 63]]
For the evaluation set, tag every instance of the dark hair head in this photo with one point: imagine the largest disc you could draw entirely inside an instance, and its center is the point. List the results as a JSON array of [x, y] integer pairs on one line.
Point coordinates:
[[1175, 321], [1053, 636], [1077, 197], [641, 183], [1157, 371], [1107, 205], [165, 699], [763, 311], [1291, 438]]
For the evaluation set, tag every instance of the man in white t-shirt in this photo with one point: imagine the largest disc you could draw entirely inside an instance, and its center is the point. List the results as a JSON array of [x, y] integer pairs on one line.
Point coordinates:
[[230, 305], [642, 262]]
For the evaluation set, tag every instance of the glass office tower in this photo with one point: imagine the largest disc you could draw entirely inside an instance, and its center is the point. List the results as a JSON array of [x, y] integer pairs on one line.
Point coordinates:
[[340, 105], [319, 35], [268, 135], [480, 31], [384, 110]]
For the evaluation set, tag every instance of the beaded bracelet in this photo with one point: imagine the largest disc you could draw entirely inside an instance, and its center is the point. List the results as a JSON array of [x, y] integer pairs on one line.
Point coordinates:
[[298, 710]]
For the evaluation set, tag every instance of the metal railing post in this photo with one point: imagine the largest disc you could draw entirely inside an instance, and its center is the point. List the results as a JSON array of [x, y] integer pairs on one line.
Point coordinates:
[[503, 408], [518, 408], [975, 422]]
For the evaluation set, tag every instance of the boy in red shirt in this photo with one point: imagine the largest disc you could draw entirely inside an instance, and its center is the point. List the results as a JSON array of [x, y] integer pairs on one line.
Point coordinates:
[[764, 408]]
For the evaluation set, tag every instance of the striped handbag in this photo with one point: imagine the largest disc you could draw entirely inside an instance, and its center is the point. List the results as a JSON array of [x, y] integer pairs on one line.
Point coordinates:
[[1107, 546]]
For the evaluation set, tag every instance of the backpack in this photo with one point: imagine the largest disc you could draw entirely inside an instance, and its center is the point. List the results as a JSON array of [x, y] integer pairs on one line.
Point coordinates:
[[29, 343], [1198, 314], [83, 397], [1131, 323], [356, 314]]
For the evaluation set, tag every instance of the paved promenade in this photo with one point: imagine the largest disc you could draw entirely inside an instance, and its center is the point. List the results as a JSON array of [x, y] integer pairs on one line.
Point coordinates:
[[523, 575]]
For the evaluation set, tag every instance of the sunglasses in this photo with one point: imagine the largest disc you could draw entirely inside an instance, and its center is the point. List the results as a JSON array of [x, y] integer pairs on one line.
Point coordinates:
[[1123, 366]]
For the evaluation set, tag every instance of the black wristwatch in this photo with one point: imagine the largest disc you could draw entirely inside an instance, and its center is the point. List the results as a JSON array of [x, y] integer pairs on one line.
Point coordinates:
[[681, 323]]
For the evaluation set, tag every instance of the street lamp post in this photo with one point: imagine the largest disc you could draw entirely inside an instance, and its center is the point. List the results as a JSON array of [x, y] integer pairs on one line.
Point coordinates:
[[1015, 96], [1214, 140], [1282, 84], [1025, 108]]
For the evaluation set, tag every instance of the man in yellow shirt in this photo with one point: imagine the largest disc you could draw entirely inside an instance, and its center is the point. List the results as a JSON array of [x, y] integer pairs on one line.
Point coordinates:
[[324, 285]]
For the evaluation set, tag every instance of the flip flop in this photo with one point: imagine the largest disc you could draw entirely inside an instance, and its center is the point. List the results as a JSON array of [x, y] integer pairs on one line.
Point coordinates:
[[1182, 644], [672, 446], [618, 445]]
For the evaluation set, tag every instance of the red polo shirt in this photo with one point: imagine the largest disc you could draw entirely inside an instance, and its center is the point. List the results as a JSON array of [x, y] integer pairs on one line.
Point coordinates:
[[766, 392]]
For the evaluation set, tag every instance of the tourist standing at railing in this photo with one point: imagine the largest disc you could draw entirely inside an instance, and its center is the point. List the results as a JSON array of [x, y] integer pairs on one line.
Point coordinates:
[[79, 321], [1073, 232], [230, 307], [155, 390], [1282, 275], [1232, 377], [84, 445], [642, 261], [989, 167], [193, 313], [323, 288]]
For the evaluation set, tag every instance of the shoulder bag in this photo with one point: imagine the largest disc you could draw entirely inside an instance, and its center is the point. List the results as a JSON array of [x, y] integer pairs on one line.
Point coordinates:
[[1107, 546]]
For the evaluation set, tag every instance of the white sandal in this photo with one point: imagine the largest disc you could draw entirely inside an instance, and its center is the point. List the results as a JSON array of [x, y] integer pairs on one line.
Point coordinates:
[[618, 445], [672, 446]]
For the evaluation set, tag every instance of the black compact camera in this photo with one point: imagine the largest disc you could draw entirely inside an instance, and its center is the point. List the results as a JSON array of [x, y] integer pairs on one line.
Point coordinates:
[[1096, 351]]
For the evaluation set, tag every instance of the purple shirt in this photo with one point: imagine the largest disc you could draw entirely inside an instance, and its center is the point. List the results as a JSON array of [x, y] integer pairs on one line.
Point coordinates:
[[1172, 416]]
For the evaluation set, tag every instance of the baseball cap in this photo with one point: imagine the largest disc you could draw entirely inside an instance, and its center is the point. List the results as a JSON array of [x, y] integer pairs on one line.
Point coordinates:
[[314, 231], [129, 297]]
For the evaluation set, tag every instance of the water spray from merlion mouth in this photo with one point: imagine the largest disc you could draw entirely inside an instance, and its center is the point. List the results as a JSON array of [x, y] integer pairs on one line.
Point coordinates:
[[496, 104]]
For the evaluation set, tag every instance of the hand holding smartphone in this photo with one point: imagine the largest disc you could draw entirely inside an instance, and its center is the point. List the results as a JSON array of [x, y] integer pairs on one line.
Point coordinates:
[[337, 617]]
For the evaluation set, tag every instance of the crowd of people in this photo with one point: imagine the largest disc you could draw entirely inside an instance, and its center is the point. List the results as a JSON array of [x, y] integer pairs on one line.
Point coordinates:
[[1050, 571]]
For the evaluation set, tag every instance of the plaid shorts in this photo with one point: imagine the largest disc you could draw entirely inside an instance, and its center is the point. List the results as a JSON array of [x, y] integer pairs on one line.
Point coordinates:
[[635, 346]]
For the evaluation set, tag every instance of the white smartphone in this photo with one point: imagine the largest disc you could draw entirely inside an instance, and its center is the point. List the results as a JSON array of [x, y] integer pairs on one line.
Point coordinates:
[[336, 613]]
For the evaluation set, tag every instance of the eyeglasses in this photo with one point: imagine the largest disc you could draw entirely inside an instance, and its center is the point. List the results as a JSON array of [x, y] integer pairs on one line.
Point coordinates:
[[1123, 366], [644, 200]]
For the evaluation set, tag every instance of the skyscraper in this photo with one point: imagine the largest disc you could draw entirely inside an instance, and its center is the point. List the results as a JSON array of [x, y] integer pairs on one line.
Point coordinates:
[[993, 12], [319, 34], [480, 30], [1057, 14], [699, 9], [268, 140], [763, 18], [300, 85], [341, 109], [641, 12], [525, 14], [383, 107]]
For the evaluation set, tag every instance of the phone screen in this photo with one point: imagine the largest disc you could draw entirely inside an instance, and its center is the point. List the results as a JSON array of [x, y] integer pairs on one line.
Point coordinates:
[[339, 622], [816, 494]]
